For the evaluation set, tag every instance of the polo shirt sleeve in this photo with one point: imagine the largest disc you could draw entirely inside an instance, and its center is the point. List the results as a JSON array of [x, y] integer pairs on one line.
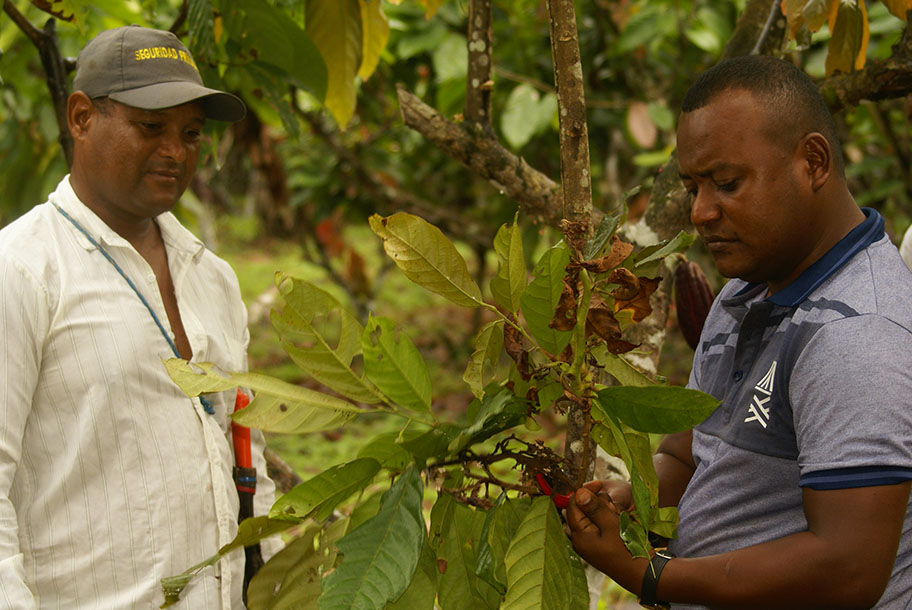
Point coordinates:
[[850, 393]]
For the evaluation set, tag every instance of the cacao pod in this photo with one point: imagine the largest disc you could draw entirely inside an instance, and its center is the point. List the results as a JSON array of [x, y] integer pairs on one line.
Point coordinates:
[[693, 298]]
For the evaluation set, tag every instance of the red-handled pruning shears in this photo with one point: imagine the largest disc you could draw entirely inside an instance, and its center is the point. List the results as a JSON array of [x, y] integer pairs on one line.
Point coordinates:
[[561, 501], [245, 480]]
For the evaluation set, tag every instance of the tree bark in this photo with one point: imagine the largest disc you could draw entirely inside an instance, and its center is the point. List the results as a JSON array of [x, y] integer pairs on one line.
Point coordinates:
[[478, 76], [55, 70]]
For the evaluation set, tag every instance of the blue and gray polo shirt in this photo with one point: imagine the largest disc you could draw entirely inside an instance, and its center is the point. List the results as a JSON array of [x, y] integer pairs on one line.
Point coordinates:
[[816, 390]]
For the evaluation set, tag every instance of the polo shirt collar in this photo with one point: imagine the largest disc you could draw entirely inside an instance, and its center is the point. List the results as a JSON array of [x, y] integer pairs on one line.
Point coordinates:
[[859, 238]]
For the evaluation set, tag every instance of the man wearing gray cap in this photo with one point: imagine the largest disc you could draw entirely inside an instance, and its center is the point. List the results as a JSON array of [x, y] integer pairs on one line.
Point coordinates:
[[110, 477]]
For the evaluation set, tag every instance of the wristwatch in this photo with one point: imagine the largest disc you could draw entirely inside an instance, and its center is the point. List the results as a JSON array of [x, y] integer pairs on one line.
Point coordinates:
[[648, 592]]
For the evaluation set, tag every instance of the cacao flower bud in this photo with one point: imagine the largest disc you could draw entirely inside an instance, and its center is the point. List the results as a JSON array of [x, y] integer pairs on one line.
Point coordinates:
[[693, 297]]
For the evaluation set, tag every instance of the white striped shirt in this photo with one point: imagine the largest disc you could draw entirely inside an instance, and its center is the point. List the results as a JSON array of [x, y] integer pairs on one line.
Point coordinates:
[[110, 477]]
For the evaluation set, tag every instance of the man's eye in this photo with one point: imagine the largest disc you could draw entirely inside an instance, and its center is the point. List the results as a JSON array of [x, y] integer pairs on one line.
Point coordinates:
[[194, 134], [151, 126], [727, 187]]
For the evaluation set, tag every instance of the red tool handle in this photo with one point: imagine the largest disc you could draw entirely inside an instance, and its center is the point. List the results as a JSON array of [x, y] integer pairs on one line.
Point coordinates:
[[241, 434]]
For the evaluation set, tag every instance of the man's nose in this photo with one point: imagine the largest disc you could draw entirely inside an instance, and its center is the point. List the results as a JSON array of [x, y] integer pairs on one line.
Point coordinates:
[[704, 208]]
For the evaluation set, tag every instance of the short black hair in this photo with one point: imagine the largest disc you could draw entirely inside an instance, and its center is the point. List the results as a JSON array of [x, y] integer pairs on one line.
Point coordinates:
[[787, 92]]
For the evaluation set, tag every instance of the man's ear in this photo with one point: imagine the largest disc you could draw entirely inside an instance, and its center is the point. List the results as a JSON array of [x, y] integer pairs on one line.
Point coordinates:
[[80, 112], [818, 159]]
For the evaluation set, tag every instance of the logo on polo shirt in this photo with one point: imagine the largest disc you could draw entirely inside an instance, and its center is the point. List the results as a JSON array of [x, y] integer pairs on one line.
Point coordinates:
[[759, 412]]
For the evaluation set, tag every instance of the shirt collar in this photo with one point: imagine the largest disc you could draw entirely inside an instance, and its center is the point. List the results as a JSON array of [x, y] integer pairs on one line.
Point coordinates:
[[859, 238], [175, 235]]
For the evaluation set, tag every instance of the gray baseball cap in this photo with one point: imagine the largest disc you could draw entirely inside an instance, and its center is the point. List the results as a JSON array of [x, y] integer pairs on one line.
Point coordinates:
[[148, 69]]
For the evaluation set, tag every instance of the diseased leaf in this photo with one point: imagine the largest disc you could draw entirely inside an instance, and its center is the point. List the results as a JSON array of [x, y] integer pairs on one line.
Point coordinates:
[[426, 257], [318, 496], [657, 409], [278, 406], [541, 298], [510, 282], [487, 345], [619, 251], [335, 29], [395, 366], [638, 303], [277, 414], [375, 32], [380, 556], [540, 574], [849, 43]]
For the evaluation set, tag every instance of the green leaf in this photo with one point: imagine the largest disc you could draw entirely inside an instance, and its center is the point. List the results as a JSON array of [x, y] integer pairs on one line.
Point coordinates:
[[318, 496], [539, 570], [487, 347], [380, 556], [265, 34], [657, 409], [292, 578], [279, 406], [619, 368], [501, 523], [657, 252], [375, 32], [311, 321], [388, 450], [634, 536], [498, 411], [849, 43], [395, 366], [540, 299], [526, 114], [510, 282], [434, 443], [422, 591], [459, 588], [426, 257], [603, 232], [335, 29]]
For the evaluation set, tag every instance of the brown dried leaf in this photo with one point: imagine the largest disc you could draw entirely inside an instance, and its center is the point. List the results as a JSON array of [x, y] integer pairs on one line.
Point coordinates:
[[513, 347], [639, 303], [628, 284], [620, 250], [565, 316]]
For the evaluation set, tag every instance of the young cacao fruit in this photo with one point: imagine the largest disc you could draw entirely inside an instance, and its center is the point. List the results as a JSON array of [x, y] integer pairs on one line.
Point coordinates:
[[693, 298]]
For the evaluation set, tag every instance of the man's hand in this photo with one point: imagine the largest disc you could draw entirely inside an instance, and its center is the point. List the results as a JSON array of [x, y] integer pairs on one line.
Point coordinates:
[[595, 533]]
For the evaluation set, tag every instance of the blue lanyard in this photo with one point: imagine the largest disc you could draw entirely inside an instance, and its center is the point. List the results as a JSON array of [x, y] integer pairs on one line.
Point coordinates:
[[207, 406]]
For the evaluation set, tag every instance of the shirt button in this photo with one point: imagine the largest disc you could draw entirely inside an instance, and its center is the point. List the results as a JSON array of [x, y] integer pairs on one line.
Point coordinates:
[[738, 375]]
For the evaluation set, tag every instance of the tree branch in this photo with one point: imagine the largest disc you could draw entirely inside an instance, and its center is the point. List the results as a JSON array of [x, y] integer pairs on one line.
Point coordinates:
[[478, 77], [55, 70], [886, 79], [576, 181], [485, 156]]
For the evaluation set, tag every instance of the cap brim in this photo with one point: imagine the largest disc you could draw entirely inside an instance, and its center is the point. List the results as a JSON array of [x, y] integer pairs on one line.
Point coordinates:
[[218, 105]]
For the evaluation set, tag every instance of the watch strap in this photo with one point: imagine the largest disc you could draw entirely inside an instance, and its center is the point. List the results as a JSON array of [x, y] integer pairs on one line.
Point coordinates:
[[649, 589]]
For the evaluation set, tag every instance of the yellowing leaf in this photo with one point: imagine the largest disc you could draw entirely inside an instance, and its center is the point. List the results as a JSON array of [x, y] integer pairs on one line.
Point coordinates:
[[427, 257], [374, 34], [899, 7], [850, 38], [487, 345], [335, 29], [430, 7]]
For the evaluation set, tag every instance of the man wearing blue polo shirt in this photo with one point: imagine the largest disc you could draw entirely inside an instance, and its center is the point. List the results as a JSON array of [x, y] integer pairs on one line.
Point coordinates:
[[795, 492]]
